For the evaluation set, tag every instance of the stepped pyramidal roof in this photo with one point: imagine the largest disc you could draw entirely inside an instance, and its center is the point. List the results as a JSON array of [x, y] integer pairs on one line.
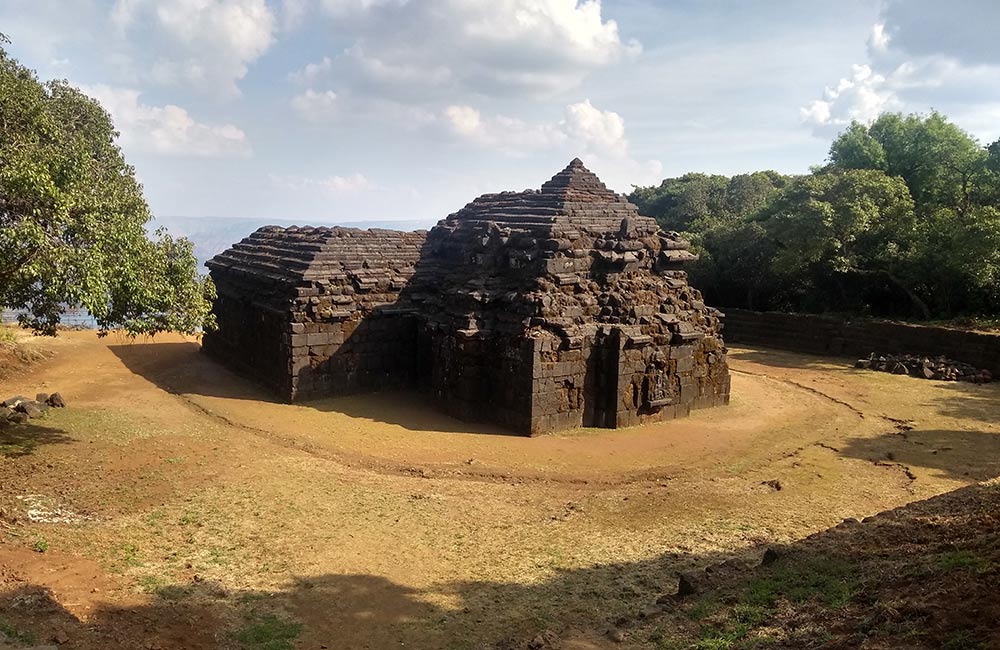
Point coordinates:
[[575, 196]]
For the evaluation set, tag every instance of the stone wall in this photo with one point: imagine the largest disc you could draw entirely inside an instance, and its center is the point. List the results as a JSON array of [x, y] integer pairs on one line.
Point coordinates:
[[859, 338]]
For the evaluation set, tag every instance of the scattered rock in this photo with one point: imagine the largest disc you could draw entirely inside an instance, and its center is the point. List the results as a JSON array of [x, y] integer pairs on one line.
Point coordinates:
[[687, 583], [651, 611], [771, 556], [42, 397], [55, 400], [60, 637], [544, 640], [30, 408], [939, 368], [17, 417], [774, 484], [14, 401], [616, 635]]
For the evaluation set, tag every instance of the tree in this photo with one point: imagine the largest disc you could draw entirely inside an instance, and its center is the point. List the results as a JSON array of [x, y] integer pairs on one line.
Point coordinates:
[[72, 219], [851, 223], [855, 148], [941, 164], [680, 202]]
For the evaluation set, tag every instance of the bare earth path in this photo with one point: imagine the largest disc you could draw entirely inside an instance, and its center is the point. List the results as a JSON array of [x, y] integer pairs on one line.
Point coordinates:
[[180, 507]]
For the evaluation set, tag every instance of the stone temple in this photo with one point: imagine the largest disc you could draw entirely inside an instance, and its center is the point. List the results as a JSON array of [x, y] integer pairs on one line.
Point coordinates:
[[537, 311]]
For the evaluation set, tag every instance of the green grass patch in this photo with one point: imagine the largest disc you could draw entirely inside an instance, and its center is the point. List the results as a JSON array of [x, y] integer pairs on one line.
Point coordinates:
[[826, 580], [128, 555], [7, 334], [963, 640], [151, 584], [17, 449], [959, 560], [268, 632], [16, 635], [41, 545], [703, 608]]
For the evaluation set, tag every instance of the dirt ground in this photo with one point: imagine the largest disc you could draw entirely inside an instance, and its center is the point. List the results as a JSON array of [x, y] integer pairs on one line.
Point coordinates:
[[175, 505]]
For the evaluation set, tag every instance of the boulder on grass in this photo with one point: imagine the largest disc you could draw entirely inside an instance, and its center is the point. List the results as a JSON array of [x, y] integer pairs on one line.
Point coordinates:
[[55, 400], [17, 417], [31, 408]]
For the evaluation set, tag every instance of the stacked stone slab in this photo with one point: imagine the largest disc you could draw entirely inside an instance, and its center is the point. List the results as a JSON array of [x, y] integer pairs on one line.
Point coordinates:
[[538, 310]]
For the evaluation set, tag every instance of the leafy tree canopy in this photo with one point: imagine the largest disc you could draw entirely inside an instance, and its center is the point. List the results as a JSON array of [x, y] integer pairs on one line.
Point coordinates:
[[941, 164], [904, 219], [72, 219]]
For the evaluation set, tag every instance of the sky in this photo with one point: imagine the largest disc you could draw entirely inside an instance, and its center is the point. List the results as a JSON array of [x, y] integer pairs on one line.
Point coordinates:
[[353, 110]]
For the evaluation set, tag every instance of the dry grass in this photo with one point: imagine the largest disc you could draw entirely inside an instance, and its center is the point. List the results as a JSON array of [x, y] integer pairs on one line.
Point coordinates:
[[367, 532]]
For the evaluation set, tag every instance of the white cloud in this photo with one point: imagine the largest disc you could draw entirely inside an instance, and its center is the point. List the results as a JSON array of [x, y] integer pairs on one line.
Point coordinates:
[[602, 131], [584, 130], [312, 71], [212, 42], [329, 184], [389, 73], [166, 130], [583, 127], [293, 13], [923, 56], [342, 7], [879, 39], [862, 98], [315, 106], [464, 120], [493, 48], [509, 135]]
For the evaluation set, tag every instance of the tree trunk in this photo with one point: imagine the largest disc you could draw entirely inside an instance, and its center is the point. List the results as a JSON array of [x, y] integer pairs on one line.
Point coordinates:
[[914, 298]]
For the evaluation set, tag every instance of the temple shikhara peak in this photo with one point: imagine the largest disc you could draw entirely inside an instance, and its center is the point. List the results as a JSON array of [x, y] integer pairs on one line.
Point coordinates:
[[538, 310]]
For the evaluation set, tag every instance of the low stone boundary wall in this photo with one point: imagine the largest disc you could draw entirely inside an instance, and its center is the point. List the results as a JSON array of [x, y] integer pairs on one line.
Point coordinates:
[[856, 339]]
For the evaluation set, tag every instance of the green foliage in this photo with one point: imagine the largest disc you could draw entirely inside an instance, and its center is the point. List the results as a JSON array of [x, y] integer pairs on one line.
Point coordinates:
[[41, 545], [855, 148], [904, 220], [72, 219], [696, 200]]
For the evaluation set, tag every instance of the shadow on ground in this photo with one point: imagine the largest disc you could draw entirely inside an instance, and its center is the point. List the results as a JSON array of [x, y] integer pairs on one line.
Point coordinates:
[[182, 369], [972, 401], [18, 440], [785, 359], [919, 576], [961, 455]]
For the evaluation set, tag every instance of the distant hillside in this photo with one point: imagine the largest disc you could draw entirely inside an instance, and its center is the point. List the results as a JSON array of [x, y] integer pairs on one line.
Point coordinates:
[[212, 235]]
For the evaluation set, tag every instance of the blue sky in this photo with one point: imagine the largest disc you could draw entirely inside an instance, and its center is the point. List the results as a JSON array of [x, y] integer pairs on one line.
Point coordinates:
[[407, 109]]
